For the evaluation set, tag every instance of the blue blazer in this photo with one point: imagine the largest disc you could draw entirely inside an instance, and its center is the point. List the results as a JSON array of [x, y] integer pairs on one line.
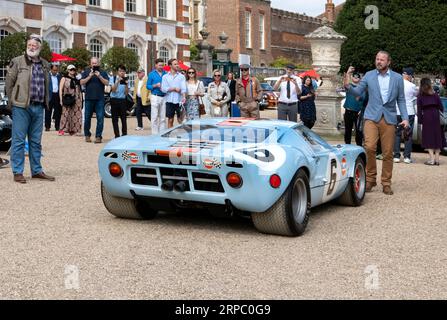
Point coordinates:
[[376, 107], [50, 87]]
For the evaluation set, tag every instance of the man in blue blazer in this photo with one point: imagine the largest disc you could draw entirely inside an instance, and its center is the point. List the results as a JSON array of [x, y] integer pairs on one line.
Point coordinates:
[[385, 89]]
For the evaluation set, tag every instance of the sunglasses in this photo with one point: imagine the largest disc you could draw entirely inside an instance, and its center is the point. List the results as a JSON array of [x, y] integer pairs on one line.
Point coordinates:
[[72, 70], [244, 69], [191, 72], [217, 75]]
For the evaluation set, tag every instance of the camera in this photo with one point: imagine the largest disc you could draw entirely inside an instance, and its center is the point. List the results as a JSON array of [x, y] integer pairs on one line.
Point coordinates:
[[95, 68], [124, 80]]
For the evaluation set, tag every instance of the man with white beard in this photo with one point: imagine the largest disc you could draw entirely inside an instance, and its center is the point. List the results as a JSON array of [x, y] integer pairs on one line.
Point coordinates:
[[27, 84]]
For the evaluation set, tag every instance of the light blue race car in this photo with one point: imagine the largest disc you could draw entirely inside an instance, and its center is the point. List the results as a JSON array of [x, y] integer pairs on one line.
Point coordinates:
[[274, 171]]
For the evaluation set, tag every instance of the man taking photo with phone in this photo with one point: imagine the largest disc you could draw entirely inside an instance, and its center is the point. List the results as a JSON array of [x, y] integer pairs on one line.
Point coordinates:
[[118, 101]]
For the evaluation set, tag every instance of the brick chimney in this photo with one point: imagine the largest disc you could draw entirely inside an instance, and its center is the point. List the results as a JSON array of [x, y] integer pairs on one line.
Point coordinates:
[[330, 11]]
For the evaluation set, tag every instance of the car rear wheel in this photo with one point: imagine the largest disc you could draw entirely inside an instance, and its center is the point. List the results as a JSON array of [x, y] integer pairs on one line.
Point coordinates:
[[108, 110], [126, 208], [355, 190], [290, 214]]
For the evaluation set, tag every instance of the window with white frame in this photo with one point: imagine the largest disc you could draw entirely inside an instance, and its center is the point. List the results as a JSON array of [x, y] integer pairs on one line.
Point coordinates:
[[131, 6], [96, 47], [262, 31], [96, 3], [55, 42], [247, 29], [163, 8], [3, 34], [163, 53], [134, 48]]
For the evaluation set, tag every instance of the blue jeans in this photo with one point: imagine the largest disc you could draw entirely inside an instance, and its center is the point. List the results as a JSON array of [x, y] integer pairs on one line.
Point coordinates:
[[408, 144], [27, 122], [98, 107]]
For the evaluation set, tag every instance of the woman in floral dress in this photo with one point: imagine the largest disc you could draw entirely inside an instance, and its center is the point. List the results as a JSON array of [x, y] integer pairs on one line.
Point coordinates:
[[196, 90], [71, 120]]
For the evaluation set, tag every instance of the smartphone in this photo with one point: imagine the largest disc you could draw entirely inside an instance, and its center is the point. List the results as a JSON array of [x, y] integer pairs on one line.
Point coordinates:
[[95, 68]]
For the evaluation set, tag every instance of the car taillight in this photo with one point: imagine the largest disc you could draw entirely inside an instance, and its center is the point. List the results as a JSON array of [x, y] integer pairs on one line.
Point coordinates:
[[275, 181], [234, 179], [115, 170]]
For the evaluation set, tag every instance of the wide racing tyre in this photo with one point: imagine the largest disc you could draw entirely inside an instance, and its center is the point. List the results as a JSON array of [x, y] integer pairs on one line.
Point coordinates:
[[126, 208], [355, 190], [290, 214]]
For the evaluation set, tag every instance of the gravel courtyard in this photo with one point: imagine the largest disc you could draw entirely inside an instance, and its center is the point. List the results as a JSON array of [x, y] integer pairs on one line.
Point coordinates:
[[57, 241]]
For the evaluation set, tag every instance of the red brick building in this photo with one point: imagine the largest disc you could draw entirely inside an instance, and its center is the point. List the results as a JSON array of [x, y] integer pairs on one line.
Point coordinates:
[[248, 25]]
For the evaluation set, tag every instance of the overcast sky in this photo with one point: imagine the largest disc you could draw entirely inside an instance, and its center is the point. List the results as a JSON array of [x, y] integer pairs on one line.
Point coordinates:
[[310, 7]]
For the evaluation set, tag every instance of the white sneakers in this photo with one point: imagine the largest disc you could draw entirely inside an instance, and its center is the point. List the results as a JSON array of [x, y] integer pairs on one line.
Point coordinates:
[[138, 128], [406, 160]]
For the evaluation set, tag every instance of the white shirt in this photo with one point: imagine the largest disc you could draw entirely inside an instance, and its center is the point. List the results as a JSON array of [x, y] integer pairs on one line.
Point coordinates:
[[55, 84], [411, 93], [293, 94], [169, 81], [140, 85], [384, 84]]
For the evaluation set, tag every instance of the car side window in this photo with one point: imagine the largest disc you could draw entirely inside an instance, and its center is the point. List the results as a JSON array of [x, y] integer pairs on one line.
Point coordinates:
[[315, 141]]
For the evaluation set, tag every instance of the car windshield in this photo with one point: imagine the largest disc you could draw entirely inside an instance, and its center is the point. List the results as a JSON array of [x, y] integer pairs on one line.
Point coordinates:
[[266, 87], [219, 133]]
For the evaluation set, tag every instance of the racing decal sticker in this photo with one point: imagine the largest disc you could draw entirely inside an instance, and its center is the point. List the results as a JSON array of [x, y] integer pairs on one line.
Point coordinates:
[[212, 163], [343, 166], [333, 174], [131, 156]]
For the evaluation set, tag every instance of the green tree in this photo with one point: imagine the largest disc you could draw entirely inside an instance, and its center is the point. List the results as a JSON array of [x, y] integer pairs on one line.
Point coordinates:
[[117, 56], [412, 31], [15, 45], [280, 62], [193, 50], [82, 56]]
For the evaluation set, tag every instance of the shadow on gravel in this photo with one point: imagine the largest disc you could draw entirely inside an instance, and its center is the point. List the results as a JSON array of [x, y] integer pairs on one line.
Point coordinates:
[[202, 220]]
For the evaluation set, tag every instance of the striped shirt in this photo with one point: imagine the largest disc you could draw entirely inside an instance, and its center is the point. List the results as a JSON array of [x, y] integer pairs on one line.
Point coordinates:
[[37, 89]]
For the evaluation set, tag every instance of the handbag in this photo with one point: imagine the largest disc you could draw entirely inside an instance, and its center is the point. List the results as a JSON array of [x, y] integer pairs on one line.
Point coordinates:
[[202, 110], [68, 100]]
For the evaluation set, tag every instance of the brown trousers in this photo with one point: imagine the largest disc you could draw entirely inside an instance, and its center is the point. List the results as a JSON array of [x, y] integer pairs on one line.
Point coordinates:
[[386, 132], [249, 110]]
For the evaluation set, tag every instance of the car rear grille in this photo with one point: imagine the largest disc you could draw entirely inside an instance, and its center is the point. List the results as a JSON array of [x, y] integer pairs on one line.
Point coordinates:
[[152, 158], [202, 181], [144, 176], [175, 175], [207, 182], [196, 144]]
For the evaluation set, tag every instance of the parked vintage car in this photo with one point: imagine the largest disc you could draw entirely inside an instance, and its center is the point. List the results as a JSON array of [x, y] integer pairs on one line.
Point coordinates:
[[269, 97], [108, 107], [223, 165], [5, 123]]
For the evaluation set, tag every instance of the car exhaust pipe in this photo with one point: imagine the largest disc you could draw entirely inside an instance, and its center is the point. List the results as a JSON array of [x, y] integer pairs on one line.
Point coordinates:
[[180, 186], [168, 185]]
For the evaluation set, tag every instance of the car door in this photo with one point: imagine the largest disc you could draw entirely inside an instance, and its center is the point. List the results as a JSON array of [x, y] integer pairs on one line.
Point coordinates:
[[328, 167]]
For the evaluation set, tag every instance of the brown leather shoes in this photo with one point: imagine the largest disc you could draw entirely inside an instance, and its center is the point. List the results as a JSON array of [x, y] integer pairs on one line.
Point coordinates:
[[19, 178], [43, 176], [387, 190], [98, 140], [88, 139], [369, 186]]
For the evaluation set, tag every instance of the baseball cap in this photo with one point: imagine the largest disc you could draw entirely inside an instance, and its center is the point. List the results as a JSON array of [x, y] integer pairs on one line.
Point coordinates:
[[71, 67], [290, 66], [408, 71]]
